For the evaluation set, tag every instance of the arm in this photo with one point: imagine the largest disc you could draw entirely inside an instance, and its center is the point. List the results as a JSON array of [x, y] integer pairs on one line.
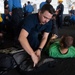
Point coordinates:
[[44, 40], [42, 44], [25, 44], [10, 4], [32, 8]]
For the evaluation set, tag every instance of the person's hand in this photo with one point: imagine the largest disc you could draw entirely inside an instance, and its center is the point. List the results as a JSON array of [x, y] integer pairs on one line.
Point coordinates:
[[1, 34], [35, 59], [38, 53], [57, 11], [7, 6], [10, 13], [7, 17], [54, 36]]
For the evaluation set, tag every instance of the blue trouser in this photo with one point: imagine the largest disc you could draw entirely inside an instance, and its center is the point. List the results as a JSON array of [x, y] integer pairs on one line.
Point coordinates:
[[59, 20]]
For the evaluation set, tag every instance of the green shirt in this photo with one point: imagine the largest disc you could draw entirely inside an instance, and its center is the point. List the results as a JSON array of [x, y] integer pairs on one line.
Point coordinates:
[[54, 51]]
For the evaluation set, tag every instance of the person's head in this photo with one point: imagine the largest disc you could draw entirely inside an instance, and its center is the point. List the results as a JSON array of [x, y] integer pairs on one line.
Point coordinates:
[[72, 8], [60, 1], [66, 41], [70, 12], [48, 1], [45, 13], [28, 2], [25, 4]]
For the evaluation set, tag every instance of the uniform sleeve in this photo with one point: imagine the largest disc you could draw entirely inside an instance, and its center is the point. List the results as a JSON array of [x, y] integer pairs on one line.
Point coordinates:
[[10, 3], [28, 24], [48, 26]]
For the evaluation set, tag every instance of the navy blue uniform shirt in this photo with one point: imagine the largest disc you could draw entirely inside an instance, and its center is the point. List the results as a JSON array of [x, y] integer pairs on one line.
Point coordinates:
[[14, 4], [29, 8], [61, 7], [33, 27]]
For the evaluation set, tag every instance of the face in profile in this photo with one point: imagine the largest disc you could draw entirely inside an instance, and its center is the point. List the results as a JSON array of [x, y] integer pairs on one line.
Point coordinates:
[[44, 17]]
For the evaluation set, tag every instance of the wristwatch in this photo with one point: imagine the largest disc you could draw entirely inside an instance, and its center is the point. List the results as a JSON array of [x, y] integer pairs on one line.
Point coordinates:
[[40, 49]]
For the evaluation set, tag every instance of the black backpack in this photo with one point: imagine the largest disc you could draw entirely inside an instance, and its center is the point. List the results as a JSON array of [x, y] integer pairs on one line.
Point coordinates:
[[6, 63]]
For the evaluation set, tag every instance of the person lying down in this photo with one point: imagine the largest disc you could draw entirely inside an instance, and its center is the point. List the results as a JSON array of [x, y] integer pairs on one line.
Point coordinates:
[[62, 49]]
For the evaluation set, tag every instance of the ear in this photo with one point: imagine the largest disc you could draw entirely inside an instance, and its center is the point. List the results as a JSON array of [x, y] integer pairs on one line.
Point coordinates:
[[39, 12], [61, 45]]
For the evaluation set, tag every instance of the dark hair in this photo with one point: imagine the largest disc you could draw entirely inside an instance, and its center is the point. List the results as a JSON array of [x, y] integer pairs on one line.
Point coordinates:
[[47, 7], [28, 2], [67, 41], [48, 1], [70, 11]]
